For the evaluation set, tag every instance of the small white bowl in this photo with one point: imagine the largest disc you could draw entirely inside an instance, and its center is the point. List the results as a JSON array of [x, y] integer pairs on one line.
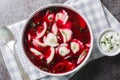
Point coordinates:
[[112, 51]]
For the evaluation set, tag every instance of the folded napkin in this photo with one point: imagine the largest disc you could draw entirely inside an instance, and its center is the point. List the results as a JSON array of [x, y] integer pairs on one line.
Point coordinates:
[[96, 14]]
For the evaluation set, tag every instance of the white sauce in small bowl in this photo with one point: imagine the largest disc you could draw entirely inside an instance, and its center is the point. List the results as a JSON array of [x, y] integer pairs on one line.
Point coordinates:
[[109, 42]]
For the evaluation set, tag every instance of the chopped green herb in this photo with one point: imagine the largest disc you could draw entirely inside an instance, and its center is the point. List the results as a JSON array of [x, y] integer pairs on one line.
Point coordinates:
[[109, 42], [33, 25], [117, 44], [111, 37], [111, 47], [54, 9], [50, 11], [103, 42], [107, 39], [85, 40], [61, 51], [50, 18], [63, 32], [84, 52], [44, 69], [52, 63], [80, 29]]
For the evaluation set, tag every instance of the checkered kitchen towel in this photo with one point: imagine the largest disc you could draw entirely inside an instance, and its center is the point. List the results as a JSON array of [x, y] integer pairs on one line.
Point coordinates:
[[96, 14]]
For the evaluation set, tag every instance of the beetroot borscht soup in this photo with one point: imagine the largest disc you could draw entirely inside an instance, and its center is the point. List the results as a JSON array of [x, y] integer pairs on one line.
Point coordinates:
[[56, 39]]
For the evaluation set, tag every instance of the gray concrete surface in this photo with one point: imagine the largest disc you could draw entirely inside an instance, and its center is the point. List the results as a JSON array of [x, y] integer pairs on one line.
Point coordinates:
[[12, 11]]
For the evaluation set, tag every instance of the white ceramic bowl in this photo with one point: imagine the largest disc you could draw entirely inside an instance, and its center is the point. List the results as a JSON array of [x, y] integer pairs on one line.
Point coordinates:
[[105, 50], [84, 61]]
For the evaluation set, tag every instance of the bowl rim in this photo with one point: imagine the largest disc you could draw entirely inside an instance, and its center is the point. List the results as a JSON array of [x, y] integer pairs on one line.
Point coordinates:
[[99, 37], [90, 30]]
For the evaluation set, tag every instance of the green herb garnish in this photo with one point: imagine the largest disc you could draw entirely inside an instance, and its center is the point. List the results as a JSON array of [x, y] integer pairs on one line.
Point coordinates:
[[80, 29], [111, 37], [52, 9], [103, 42], [33, 25], [111, 47], [107, 39], [62, 51], [50, 18], [44, 69], [84, 52], [117, 44], [64, 33], [52, 63]]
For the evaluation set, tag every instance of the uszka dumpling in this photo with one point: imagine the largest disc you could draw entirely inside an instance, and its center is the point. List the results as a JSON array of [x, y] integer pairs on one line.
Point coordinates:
[[51, 40], [61, 17], [63, 50], [76, 45], [66, 34]]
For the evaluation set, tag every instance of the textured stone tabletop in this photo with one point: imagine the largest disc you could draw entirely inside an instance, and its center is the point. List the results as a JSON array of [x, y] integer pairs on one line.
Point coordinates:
[[12, 11]]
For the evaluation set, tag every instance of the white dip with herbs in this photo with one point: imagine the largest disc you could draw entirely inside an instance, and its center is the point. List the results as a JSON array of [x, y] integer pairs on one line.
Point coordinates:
[[110, 42]]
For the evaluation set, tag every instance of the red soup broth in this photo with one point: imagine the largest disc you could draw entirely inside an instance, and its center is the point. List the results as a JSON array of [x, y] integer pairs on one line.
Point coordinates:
[[56, 40]]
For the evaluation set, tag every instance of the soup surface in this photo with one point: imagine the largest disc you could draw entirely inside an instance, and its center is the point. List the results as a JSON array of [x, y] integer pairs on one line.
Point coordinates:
[[56, 39]]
